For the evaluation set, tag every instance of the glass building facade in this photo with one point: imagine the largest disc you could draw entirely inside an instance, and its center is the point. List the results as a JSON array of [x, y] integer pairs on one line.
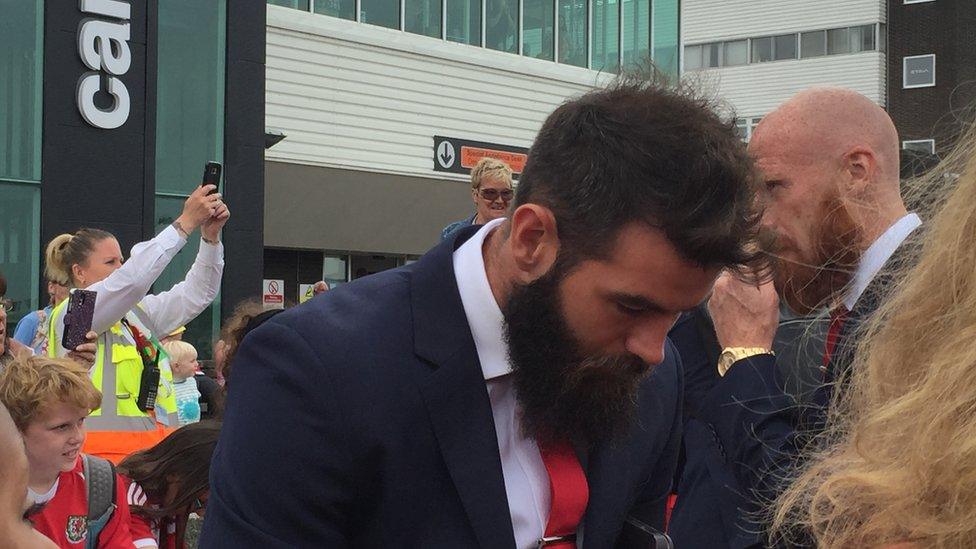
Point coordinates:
[[189, 130], [603, 35], [21, 99]]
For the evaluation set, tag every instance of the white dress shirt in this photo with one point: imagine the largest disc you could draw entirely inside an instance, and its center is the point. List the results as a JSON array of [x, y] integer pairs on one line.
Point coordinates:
[[526, 479], [877, 255], [126, 287]]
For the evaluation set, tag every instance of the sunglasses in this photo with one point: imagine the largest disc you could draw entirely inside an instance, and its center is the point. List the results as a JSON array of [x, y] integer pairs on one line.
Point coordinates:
[[6, 304], [492, 194]]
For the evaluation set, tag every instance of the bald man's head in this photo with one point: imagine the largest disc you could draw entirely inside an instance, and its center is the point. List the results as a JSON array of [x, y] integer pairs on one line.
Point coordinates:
[[826, 124], [829, 158]]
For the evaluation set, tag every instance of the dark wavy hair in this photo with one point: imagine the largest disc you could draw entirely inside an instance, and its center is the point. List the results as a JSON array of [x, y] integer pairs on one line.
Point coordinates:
[[185, 456], [645, 150]]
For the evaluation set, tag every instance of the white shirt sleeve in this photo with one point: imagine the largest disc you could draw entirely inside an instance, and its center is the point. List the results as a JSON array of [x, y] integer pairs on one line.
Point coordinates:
[[123, 289], [184, 301]]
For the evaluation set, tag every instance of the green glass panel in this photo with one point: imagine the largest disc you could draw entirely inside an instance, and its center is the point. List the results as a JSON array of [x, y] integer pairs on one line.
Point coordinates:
[[423, 17], [572, 32], [636, 31], [664, 35], [537, 29], [202, 330], [297, 4], [189, 127], [345, 9], [606, 36], [385, 13], [21, 26], [464, 21], [190, 92], [501, 25], [20, 218]]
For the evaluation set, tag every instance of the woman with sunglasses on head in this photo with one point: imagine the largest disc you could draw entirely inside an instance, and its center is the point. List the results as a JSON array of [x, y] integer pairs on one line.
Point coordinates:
[[168, 482], [491, 190]]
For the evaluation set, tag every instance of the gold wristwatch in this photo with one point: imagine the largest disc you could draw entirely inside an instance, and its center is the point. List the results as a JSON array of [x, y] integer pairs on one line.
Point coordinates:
[[731, 355]]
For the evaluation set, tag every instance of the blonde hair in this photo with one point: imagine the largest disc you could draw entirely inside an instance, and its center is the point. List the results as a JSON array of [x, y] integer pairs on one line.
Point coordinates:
[[898, 460], [29, 385], [67, 250], [490, 168], [179, 351]]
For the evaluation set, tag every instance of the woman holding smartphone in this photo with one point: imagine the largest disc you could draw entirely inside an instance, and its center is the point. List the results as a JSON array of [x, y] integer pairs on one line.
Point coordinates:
[[138, 404]]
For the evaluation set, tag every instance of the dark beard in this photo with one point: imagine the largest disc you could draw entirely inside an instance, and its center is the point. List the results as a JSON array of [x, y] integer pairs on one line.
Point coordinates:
[[805, 288], [564, 395]]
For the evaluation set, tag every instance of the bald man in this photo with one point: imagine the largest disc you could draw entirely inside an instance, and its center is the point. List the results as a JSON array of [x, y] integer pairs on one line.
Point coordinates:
[[15, 531], [834, 217]]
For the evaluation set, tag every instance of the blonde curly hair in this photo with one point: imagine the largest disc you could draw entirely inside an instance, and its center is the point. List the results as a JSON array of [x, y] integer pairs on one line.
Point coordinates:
[[898, 460]]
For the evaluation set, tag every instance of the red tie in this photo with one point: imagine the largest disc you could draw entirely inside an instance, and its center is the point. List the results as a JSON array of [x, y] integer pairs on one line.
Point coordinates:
[[568, 493], [837, 318]]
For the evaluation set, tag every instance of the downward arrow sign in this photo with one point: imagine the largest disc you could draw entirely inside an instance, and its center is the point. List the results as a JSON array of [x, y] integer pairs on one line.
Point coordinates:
[[446, 158]]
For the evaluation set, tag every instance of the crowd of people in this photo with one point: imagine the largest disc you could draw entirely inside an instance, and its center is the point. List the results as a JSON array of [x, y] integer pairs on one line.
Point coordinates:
[[594, 359]]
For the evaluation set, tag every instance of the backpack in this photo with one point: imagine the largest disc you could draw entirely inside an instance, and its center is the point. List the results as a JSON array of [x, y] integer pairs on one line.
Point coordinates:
[[100, 483]]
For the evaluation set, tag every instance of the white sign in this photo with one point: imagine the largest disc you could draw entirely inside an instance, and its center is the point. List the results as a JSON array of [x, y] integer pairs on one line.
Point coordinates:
[[305, 292], [445, 154], [104, 46], [273, 294]]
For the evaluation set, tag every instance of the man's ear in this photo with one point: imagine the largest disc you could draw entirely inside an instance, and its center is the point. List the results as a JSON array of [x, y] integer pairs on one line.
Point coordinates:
[[534, 241], [861, 166]]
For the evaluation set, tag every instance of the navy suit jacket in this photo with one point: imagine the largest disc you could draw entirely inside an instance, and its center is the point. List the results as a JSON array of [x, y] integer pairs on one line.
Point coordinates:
[[749, 436], [361, 419]]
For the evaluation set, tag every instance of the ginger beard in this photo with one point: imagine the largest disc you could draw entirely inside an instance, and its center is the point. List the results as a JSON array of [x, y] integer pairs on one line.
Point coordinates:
[[812, 282], [565, 394]]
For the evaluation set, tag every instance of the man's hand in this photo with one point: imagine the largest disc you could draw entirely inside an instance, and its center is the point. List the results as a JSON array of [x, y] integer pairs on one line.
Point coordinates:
[[210, 230], [85, 353], [744, 315]]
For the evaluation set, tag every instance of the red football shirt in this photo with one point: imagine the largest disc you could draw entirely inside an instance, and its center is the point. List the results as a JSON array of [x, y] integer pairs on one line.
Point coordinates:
[[64, 518], [145, 531]]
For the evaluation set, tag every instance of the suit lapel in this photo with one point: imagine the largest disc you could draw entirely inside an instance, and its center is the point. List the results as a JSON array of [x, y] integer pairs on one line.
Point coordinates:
[[456, 396]]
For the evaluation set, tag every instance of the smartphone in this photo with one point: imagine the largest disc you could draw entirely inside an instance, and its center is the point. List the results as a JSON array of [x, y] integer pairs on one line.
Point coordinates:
[[211, 175], [638, 535], [78, 318]]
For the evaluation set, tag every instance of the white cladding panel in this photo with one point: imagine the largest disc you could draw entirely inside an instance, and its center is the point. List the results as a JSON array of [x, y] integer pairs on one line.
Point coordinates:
[[357, 96], [755, 90], [713, 20]]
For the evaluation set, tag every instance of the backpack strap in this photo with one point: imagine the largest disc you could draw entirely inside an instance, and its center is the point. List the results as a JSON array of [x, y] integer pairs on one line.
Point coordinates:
[[100, 484]]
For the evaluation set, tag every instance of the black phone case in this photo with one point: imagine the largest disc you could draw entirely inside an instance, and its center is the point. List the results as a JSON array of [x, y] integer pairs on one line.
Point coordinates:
[[211, 175], [78, 318], [148, 388]]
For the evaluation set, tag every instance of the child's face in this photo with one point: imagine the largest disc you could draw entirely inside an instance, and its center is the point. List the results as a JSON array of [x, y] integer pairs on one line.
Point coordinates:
[[53, 439], [186, 368]]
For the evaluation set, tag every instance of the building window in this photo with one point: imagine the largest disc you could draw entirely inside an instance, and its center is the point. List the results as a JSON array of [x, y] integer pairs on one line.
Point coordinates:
[[735, 53], [572, 32], [744, 127], [537, 29], [422, 17], [636, 24], [383, 13], [295, 4], [664, 35], [784, 47], [189, 127], [813, 44], [862, 38], [606, 36], [920, 145], [343, 9], [918, 71], [762, 49], [838, 41], [501, 25], [464, 21]]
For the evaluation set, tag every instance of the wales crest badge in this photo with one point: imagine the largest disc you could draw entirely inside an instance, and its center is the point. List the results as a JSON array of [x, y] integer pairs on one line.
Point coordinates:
[[77, 528]]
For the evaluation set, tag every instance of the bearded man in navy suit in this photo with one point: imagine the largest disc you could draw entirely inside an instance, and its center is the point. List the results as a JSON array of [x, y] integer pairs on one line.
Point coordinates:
[[514, 387]]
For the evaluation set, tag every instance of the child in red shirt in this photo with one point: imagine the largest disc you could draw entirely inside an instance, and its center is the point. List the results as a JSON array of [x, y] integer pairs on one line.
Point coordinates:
[[168, 482], [49, 399]]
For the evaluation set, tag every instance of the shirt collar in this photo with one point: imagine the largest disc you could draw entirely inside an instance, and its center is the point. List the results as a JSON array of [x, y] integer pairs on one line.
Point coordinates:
[[877, 255], [484, 316]]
